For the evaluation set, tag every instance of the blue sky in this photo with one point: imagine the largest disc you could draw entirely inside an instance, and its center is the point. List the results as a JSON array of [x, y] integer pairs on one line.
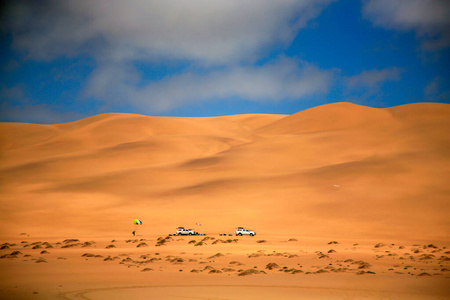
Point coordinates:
[[66, 60]]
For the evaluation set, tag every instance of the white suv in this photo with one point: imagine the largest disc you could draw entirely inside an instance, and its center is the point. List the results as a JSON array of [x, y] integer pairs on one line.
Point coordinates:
[[185, 231], [242, 231]]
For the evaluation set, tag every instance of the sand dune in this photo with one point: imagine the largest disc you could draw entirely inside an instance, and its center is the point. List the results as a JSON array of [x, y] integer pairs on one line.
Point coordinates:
[[331, 170], [334, 172]]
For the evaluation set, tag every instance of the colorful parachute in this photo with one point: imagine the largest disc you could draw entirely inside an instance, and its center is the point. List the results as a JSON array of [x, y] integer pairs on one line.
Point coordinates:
[[137, 222]]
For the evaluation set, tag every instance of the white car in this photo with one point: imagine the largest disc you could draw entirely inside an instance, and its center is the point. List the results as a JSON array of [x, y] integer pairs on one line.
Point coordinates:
[[242, 231], [185, 231]]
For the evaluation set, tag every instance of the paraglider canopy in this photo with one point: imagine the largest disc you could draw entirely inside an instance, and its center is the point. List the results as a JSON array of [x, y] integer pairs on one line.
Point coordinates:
[[137, 222]]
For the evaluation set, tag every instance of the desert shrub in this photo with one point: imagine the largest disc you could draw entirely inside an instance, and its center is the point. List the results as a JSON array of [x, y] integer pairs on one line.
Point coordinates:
[[146, 270], [86, 244], [216, 255], [199, 244], [110, 246], [362, 264], [71, 245], [249, 272], [177, 260], [271, 266], [261, 241], [321, 255], [228, 270], [128, 259], [255, 255], [67, 241], [321, 271], [88, 255], [214, 271], [160, 242]]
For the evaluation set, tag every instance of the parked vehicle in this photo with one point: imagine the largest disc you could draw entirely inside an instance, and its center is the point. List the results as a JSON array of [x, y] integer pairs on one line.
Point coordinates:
[[242, 231], [185, 231]]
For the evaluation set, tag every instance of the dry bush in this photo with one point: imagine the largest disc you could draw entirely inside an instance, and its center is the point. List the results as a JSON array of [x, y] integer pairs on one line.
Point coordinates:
[[216, 255], [271, 266], [250, 272], [146, 270]]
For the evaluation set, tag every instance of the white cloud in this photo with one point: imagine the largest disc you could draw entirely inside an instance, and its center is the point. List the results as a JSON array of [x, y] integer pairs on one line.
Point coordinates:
[[15, 105], [437, 90], [373, 78], [285, 79], [220, 39], [432, 87], [11, 93], [212, 32], [428, 18], [39, 113]]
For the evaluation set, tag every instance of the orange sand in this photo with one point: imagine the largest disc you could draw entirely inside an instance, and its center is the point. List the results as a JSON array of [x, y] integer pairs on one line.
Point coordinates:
[[338, 172]]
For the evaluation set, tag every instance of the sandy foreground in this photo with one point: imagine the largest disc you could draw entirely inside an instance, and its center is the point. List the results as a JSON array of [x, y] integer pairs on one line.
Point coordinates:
[[222, 267], [375, 181]]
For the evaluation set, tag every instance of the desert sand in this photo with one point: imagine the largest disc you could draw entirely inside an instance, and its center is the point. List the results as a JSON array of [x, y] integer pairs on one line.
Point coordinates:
[[348, 202]]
